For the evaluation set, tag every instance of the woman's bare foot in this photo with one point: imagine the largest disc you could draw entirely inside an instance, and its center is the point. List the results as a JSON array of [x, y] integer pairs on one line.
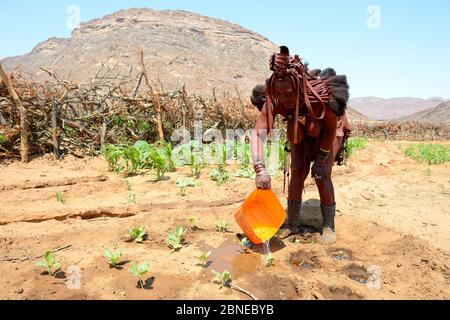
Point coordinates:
[[288, 231], [328, 236]]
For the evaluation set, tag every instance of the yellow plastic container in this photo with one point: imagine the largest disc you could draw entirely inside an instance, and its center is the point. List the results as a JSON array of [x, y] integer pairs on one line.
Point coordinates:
[[260, 216]]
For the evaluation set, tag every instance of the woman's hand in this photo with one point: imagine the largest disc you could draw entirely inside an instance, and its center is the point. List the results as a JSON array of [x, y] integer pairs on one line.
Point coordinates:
[[262, 178], [263, 181], [319, 171]]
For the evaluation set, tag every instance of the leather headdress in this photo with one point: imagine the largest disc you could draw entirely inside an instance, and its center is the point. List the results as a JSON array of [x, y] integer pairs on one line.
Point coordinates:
[[309, 90]]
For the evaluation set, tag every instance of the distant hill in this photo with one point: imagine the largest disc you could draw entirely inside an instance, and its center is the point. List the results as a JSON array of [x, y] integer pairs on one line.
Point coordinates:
[[439, 114], [394, 108], [180, 48]]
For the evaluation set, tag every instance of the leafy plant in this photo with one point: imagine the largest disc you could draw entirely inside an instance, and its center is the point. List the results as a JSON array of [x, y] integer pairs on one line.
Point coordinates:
[[159, 162], [139, 271], [204, 258], [354, 144], [60, 198], [175, 238], [222, 279], [165, 148], [2, 138], [49, 262], [220, 175], [137, 234], [195, 164], [222, 225], [112, 258], [245, 172], [182, 184], [243, 154], [132, 160], [132, 197], [144, 150], [428, 171], [112, 155], [428, 153], [194, 222]]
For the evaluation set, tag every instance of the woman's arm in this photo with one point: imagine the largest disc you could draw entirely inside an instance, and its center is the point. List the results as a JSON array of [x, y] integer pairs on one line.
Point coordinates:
[[319, 169], [257, 141], [329, 130], [259, 135]]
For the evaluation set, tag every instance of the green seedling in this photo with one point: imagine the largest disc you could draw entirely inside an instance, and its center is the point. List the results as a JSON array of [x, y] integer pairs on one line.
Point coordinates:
[[428, 172], [204, 258], [245, 172], [175, 238], [112, 258], [112, 155], [165, 148], [132, 197], [139, 271], [245, 242], [220, 175], [222, 225], [132, 159], [49, 262], [160, 162], [182, 184], [137, 234], [222, 279], [128, 184], [195, 164], [194, 222], [60, 198]]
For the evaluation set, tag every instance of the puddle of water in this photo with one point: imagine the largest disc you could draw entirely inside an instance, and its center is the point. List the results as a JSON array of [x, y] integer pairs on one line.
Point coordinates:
[[357, 273], [340, 254], [230, 256], [301, 260]]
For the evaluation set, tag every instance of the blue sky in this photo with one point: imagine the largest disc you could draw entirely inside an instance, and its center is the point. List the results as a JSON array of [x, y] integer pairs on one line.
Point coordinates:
[[387, 48]]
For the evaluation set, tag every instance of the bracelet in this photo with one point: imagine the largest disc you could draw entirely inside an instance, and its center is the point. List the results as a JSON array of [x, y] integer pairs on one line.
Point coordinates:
[[323, 154], [259, 167]]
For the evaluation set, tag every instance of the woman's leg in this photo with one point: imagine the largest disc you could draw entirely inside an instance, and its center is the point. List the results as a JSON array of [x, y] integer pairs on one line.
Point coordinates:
[[299, 171], [327, 199]]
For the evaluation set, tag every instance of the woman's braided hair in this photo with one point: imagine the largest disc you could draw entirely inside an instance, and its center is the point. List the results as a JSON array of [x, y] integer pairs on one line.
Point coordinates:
[[307, 88], [333, 89]]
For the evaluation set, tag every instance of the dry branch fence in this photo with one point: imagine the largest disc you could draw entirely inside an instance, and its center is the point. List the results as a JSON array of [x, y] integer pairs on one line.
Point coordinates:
[[64, 117], [395, 130]]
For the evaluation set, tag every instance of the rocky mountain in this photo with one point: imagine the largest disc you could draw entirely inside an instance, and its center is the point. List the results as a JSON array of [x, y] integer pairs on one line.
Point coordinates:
[[390, 109], [180, 48], [439, 114]]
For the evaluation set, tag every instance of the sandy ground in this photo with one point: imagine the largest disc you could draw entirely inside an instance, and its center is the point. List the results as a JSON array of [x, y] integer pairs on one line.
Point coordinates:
[[392, 214]]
